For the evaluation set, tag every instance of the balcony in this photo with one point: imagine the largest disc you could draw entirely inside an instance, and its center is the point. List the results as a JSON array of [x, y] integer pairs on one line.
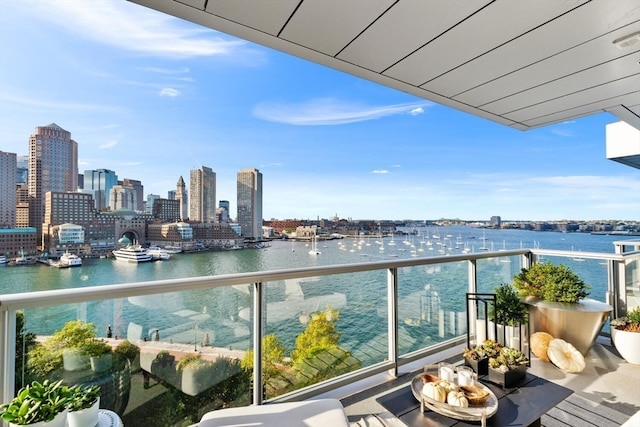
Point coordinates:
[[392, 317]]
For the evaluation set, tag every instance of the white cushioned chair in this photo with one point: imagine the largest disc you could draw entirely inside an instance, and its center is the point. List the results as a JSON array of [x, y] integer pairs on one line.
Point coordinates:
[[309, 413]]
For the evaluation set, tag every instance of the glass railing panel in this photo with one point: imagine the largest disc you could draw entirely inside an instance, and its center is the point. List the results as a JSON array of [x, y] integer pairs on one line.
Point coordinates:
[[592, 271], [632, 282], [492, 272], [320, 327], [161, 359], [431, 304]]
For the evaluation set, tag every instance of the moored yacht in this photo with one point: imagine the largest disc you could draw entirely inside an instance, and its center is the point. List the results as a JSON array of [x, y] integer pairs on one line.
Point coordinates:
[[158, 254], [69, 260], [132, 253]]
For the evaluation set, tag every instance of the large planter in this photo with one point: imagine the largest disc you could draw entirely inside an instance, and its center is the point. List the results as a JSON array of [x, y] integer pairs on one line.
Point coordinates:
[[84, 417], [627, 344], [101, 363], [577, 323]]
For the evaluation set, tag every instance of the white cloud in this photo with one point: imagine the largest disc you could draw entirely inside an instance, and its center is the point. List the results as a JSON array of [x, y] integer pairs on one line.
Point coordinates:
[[380, 171], [167, 91], [416, 111], [328, 111], [109, 144], [135, 28]]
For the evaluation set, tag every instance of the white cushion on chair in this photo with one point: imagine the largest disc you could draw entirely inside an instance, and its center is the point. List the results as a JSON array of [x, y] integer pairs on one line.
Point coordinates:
[[309, 413]]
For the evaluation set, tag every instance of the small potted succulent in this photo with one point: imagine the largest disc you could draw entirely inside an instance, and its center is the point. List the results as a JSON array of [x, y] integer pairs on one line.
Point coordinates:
[[478, 357], [84, 404], [625, 335], [38, 405], [508, 368]]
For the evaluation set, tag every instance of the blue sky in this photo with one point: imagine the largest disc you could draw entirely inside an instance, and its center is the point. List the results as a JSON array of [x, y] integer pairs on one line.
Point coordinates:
[[151, 97]]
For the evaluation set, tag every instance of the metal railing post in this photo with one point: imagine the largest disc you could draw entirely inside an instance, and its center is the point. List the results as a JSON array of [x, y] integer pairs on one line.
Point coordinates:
[[257, 343], [392, 312], [7, 354]]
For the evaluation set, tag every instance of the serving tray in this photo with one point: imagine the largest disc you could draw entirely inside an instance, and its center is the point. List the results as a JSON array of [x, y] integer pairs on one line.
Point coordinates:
[[471, 413]]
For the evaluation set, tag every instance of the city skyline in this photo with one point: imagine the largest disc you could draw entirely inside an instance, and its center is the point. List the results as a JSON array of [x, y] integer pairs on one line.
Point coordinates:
[[152, 97]]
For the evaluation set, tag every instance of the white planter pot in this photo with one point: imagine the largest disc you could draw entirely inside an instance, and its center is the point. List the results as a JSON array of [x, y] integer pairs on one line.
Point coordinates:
[[60, 420], [627, 344], [101, 363], [84, 417]]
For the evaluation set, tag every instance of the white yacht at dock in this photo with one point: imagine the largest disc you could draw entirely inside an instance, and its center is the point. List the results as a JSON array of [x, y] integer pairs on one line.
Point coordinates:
[[158, 254], [132, 253], [69, 260]]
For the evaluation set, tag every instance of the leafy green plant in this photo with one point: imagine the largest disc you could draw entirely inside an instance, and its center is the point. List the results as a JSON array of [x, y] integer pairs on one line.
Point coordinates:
[[128, 349], [191, 360], [508, 358], [46, 357], [551, 282], [509, 309], [82, 397], [489, 348], [36, 402]]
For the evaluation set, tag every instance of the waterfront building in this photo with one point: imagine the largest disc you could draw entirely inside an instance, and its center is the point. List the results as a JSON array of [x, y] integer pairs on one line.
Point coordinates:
[[22, 163], [249, 194], [171, 194], [138, 189], [122, 197], [178, 234], [16, 242], [202, 195], [62, 208], [8, 180], [53, 166], [68, 236], [222, 213], [98, 183], [495, 221], [130, 224], [166, 210], [181, 195], [215, 235]]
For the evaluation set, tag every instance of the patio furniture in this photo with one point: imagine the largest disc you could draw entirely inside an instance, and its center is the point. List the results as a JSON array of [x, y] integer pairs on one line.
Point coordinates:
[[308, 413], [522, 405]]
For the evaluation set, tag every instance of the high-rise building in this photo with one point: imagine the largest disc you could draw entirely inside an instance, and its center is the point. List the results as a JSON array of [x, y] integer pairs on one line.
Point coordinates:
[[138, 188], [123, 197], [202, 195], [98, 183], [181, 196], [249, 203], [23, 169], [171, 194], [222, 213], [8, 181], [53, 166]]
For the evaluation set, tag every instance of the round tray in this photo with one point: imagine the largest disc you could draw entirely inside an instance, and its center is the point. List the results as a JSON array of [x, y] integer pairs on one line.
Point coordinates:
[[471, 413]]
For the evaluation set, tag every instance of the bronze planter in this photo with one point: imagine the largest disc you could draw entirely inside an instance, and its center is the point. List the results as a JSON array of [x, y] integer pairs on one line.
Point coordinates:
[[577, 323]]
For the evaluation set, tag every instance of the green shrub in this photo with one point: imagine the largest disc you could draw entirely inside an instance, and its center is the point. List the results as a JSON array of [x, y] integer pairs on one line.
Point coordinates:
[[551, 282]]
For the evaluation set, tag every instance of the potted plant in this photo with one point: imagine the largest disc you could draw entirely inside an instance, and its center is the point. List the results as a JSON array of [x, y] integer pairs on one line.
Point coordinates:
[[478, 357], [625, 335], [38, 405], [99, 352], [83, 405], [131, 352], [553, 291], [508, 368], [509, 312]]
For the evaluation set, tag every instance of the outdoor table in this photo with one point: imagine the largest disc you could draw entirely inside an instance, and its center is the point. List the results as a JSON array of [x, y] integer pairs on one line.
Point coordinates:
[[519, 406]]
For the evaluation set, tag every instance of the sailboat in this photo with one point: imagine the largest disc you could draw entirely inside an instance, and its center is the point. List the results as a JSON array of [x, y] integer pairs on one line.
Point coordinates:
[[314, 246]]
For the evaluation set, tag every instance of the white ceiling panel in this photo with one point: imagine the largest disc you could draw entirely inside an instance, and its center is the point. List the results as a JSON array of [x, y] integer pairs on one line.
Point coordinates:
[[562, 64], [545, 41], [346, 18], [603, 92], [521, 63], [596, 76], [406, 27], [474, 37], [268, 16]]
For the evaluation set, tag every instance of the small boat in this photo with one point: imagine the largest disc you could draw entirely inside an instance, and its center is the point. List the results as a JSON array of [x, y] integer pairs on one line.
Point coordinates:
[[158, 254], [132, 253], [173, 249], [3, 259], [314, 247], [69, 260]]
